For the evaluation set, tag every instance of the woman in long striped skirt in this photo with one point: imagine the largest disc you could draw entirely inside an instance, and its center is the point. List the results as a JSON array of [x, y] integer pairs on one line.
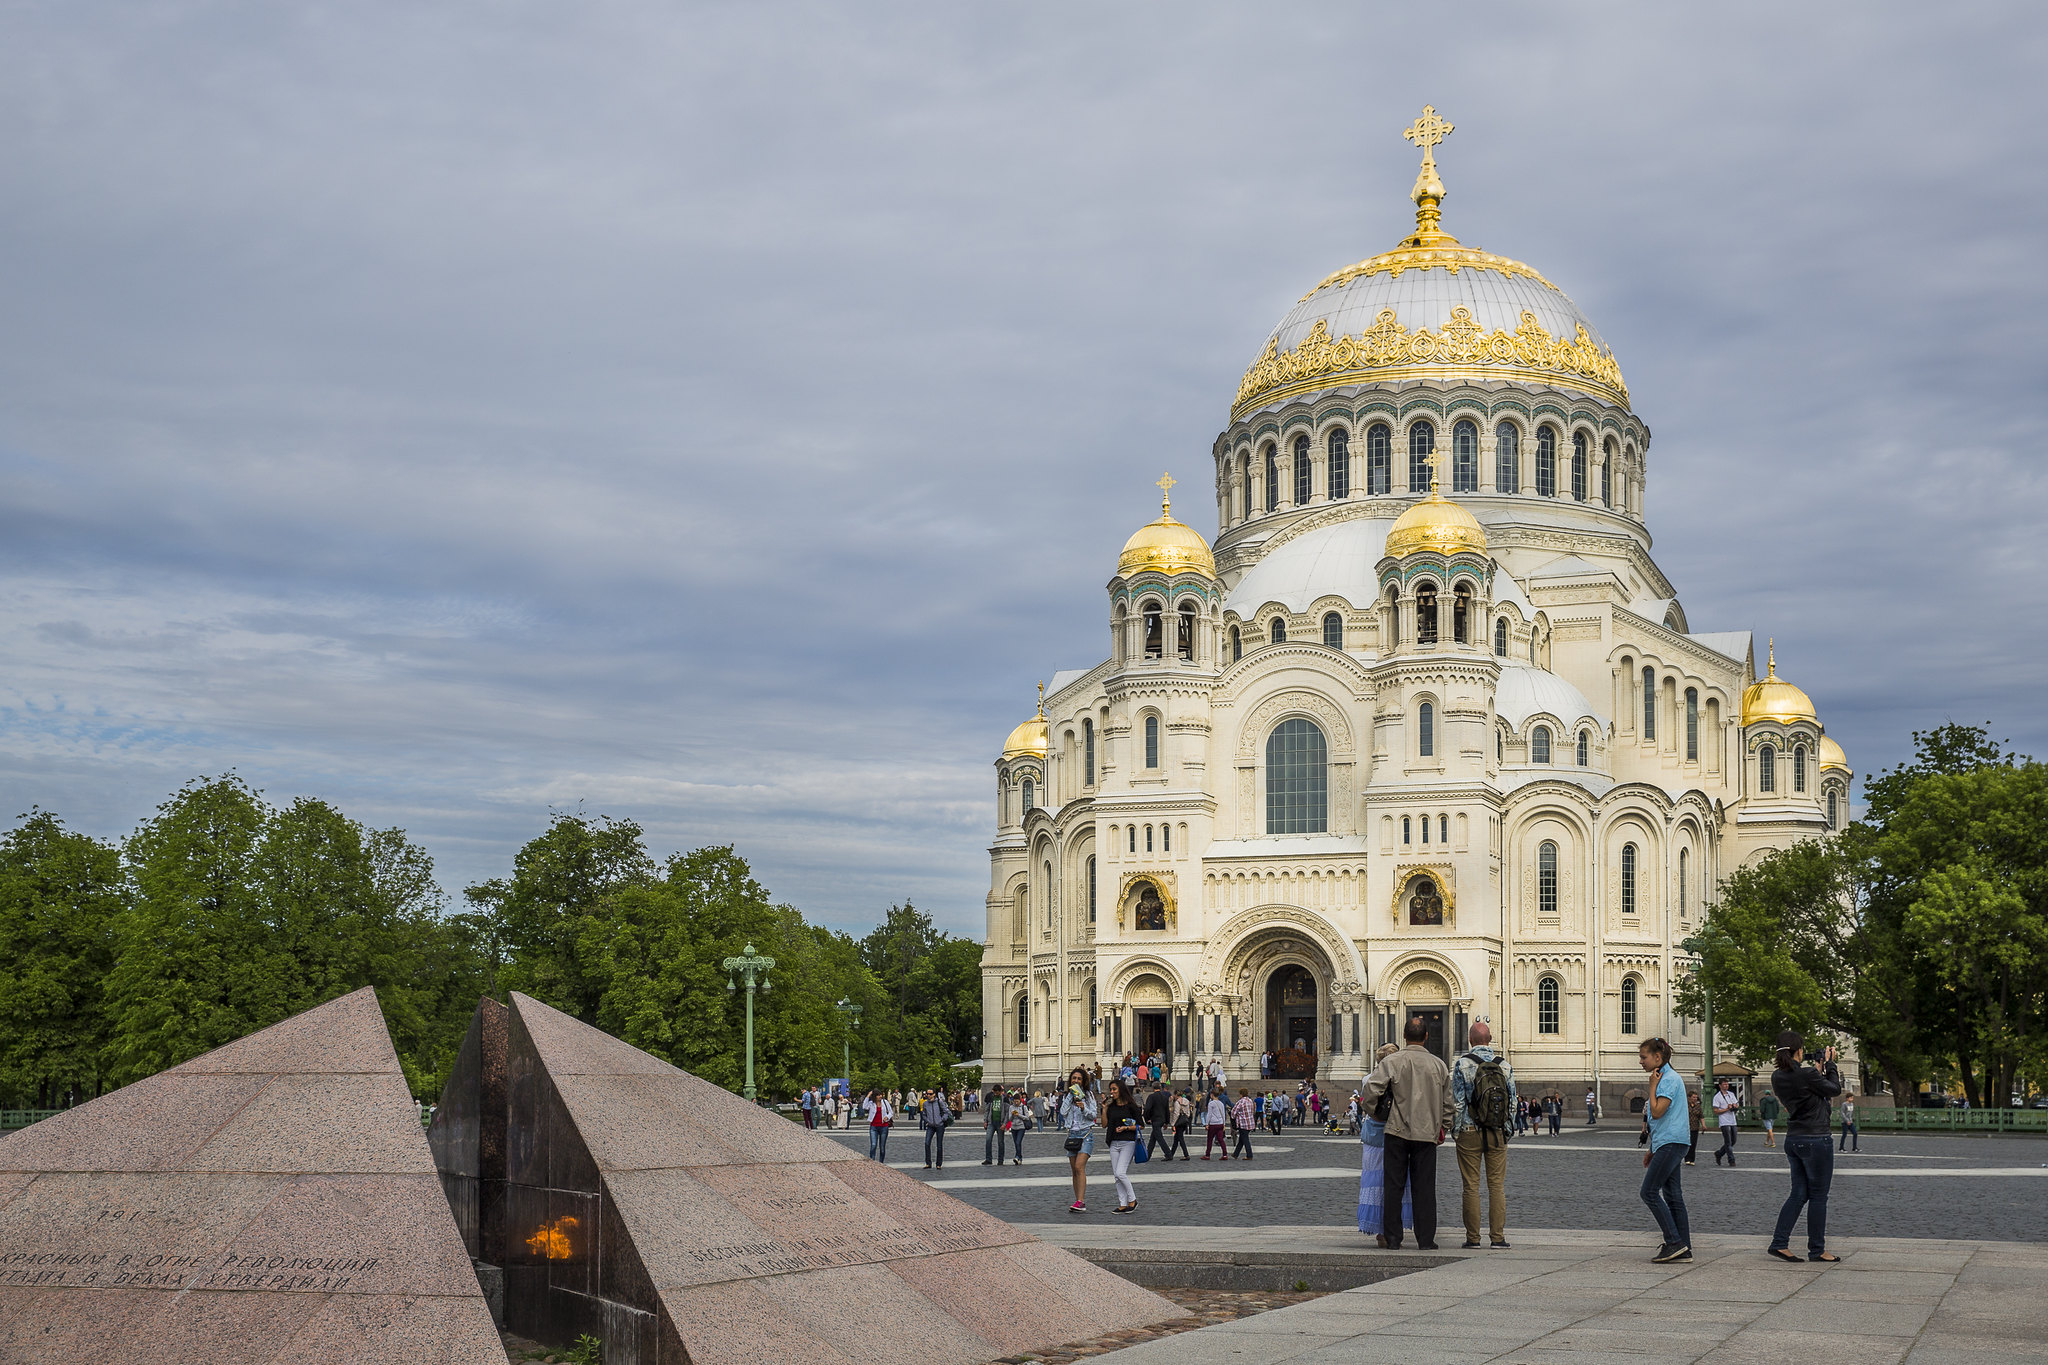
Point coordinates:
[[1372, 1171]]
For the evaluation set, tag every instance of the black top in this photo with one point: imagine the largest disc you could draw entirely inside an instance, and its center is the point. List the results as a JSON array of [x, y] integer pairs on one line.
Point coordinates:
[[1157, 1107], [1805, 1092], [1121, 1121]]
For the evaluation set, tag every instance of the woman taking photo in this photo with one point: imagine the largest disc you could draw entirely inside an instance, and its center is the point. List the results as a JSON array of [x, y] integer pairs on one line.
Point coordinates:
[[1809, 1148], [1077, 1119], [1120, 1124]]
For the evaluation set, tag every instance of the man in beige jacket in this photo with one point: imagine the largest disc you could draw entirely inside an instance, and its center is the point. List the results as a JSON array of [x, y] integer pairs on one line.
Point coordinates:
[[1421, 1115]]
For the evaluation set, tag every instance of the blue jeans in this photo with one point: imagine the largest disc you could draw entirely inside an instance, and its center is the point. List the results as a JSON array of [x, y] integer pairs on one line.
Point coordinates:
[[935, 1138], [1849, 1137], [1660, 1191], [1812, 1159], [878, 1144]]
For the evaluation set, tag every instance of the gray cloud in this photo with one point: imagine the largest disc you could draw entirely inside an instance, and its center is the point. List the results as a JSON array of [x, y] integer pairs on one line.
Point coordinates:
[[722, 417]]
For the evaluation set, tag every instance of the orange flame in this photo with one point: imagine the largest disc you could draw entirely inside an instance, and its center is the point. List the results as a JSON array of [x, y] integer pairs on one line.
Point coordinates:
[[552, 1241]]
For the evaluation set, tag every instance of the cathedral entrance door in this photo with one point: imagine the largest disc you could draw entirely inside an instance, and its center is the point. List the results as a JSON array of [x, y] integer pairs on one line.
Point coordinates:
[[1153, 1034], [1291, 1020], [1434, 1018]]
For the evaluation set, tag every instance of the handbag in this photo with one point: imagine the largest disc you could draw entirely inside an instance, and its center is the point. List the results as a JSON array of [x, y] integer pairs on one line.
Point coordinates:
[[1073, 1144], [1143, 1154]]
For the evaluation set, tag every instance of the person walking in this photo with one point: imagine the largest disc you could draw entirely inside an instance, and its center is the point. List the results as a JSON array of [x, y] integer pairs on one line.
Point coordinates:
[[1416, 1123], [1725, 1106], [1849, 1134], [1120, 1124], [1592, 1106], [880, 1114], [1183, 1119], [1805, 1092], [1767, 1109], [936, 1115], [1241, 1114], [1669, 1126], [1214, 1116], [1482, 1107], [993, 1114], [1077, 1114], [1158, 1115]]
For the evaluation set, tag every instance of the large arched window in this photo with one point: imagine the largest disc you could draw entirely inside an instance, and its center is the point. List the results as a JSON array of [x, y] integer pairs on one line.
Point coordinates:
[[1303, 471], [1692, 725], [1297, 779], [1500, 637], [1539, 745], [1340, 463], [1023, 1019], [1151, 741], [1421, 445], [1155, 630], [1465, 458], [1767, 769], [1579, 465], [1272, 478], [1185, 641], [1628, 1004], [1628, 879], [1333, 630], [1030, 796], [1088, 753], [1546, 461], [1546, 1002], [1649, 702], [1277, 632], [1425, 731], [1546, 878], [1236, 644], [1091, 905], [1507, 459], [1585, 745], [1799, 767], [1379, 458]]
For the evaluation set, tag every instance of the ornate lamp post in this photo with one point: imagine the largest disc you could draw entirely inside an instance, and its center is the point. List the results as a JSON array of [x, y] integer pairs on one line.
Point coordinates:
[[754, 968], [851, 1013]]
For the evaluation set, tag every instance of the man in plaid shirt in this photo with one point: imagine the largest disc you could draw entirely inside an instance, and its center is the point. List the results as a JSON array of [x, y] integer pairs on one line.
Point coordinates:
[[1242, 1115]]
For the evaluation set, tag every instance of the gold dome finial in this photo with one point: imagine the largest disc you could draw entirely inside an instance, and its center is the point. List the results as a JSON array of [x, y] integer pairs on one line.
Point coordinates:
[[1165, 486], [1428, 194], [1041, 699], [1771, 657]]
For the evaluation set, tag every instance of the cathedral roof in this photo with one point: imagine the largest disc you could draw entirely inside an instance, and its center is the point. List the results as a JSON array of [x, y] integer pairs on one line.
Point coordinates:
[[1165, 545], [1831, 755], [1436, 524], [1770, 698], [1339, 560], [1526, 691]]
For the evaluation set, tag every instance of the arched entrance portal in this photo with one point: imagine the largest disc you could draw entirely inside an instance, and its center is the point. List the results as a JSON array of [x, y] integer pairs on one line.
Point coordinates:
[[1291, 1018]]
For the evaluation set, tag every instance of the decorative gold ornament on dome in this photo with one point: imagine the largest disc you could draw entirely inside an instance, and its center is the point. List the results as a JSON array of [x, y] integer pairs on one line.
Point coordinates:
[[1435, 524], [1030, 738], [1166, 546], [1770, 699]]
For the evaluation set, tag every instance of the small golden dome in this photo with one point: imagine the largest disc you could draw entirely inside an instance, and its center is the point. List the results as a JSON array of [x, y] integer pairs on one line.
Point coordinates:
[[1771, 698], [1166, 546], [1831, 755], [1030, 737], [1436, 523]]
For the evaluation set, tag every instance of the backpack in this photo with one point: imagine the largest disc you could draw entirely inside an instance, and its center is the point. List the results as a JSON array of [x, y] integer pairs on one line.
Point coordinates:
[[1487, 1106]]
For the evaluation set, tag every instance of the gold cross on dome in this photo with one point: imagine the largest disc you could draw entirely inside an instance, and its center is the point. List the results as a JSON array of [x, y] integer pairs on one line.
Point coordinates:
[[1165, 487], [1427, 131]]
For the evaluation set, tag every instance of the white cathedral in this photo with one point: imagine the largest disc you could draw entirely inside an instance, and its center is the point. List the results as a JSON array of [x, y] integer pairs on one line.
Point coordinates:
[[1427, 733]]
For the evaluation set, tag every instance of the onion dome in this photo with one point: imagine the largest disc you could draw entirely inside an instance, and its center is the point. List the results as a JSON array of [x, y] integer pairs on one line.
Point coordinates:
[[1436, 523], [1772, 699], [1166, 546], [1831, 755], [1029, 739]]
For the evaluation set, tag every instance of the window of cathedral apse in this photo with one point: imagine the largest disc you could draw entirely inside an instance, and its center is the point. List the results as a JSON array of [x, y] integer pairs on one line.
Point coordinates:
[[1465, 458], [1151, 909], [1333, 630], [1278, 633], [1507, 458], [1500, 637], [1539, 745], [1425, 903], [1421, 445], [1379, 458], [1340, 463], [1155, 630], [1585, 743], [1272, 480], [1546, 461], [1303, 472], [1579, 466]]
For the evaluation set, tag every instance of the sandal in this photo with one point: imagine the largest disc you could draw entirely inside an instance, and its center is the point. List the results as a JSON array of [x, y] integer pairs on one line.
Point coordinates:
[[1826, 1258], [1785, 1255]]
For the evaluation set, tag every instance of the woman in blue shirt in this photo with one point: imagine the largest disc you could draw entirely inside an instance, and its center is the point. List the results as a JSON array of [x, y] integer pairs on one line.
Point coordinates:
[[1670, 1138]]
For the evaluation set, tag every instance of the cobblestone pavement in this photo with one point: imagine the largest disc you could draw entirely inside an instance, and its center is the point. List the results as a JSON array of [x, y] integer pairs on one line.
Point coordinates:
[[1899, 1185]]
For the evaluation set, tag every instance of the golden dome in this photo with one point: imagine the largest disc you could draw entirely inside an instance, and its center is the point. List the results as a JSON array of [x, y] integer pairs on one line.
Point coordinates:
[[1771, 698], [1436, 523], [1831, 755], [1030, 737], [1166, 546]]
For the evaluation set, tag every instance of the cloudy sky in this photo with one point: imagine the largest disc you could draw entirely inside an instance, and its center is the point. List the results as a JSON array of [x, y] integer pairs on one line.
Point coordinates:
[[721, 416]]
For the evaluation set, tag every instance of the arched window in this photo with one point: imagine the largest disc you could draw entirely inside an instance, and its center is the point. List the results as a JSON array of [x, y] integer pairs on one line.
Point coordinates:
[[1607, 475], [1628, 879], [1148, 838], [1799, 767], [1303, 471], [1500, 746], [1088, 753], [1579, 465], [1151, 741], [1333, 630], [1048, 895], [1340, 463], [1407, 829], [1649, 702], [1155, 630], [1833, 821], [1425, 829], [1379, 458], [1500, 637], [1421, 445], [1297, 779], [1236, 644], [1023, 1019], [1461, 614], [1094, 1022], [1277, 632], [1767, 769], [1425, 731], [1628, 1005], [1272, 478], [1131, 838], [1507, 459], [1546, 1002], [1465, 458], [1443, 829], [1539, 745], [1684, 876], [1091, 919], [1186, 642], [1393, 617], [1425, 614], [1692, 725], [1166, 838], [1546, 461], [1585, 745], [1030, 796]]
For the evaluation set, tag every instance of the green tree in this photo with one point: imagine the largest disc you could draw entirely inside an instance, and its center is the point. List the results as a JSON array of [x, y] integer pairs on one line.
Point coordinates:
[[60, 895], [559, 880]]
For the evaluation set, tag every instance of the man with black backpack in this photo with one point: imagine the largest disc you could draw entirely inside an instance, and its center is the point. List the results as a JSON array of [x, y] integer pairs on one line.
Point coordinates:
[[1483, 1114]]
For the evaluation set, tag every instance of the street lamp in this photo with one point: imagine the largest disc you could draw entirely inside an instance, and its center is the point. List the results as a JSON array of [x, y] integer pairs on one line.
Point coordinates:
[[753, 967], [851, 1012]]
